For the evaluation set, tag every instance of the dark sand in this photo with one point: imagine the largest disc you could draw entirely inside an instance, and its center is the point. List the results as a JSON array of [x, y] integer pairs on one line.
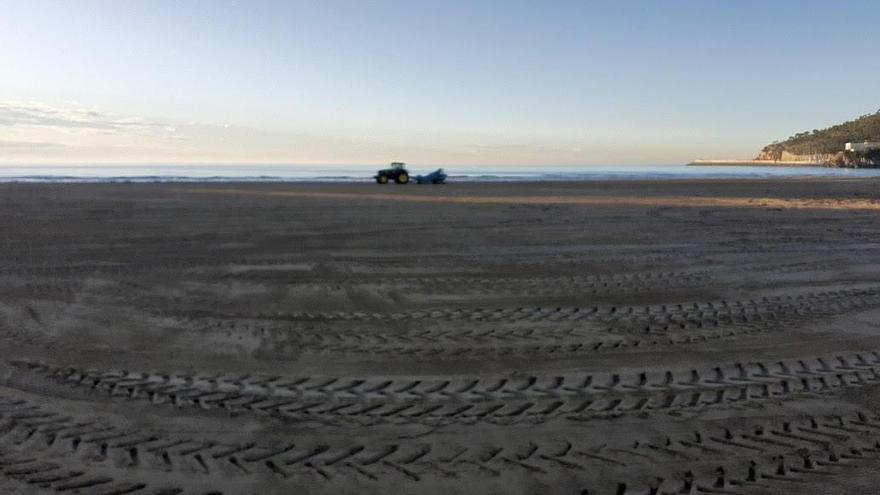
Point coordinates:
[[566, 338]]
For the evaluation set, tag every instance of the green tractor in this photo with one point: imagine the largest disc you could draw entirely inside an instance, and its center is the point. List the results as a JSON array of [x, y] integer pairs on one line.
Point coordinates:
[[396, 172]]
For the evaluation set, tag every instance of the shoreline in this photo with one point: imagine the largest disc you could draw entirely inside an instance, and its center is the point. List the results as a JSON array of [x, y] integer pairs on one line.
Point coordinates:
[[713, 170], [756, 163]]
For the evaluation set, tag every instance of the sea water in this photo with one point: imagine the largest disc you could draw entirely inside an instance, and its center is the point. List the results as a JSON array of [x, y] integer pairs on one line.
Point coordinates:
[[364, 173]]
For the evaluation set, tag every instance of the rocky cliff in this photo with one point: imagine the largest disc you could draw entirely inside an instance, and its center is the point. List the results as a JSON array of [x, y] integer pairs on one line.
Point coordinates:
[[825, 147]]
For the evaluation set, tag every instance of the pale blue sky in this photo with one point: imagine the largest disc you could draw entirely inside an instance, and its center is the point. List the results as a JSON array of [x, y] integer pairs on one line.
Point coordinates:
[[519, 83]]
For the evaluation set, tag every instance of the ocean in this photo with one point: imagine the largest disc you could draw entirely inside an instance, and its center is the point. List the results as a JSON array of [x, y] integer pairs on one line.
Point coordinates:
[[344, 173]]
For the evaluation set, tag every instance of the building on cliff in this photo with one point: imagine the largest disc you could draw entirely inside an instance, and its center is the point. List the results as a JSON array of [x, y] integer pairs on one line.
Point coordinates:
[[863, 146]]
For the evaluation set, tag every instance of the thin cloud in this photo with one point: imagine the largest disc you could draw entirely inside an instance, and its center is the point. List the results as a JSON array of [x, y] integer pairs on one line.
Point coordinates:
[[43, 115], [22, 146], [500, 147]]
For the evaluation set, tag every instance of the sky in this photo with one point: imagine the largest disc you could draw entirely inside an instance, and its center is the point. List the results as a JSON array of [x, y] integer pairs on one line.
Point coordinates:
[[511, 83]]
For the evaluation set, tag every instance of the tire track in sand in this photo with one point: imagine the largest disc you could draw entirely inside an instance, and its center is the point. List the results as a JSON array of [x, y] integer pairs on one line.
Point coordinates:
[[470, 400], [575, 330], [49, 450]]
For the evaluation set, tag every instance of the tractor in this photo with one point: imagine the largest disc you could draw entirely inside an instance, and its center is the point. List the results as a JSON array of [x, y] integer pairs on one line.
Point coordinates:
[[396, 172]]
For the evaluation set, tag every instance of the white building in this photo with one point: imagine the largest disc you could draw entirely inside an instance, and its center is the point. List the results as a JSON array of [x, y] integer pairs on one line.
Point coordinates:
[[863, 146]]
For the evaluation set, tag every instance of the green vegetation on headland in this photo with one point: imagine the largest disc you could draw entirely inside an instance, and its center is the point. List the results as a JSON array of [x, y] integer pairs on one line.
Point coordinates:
[[826, 146]]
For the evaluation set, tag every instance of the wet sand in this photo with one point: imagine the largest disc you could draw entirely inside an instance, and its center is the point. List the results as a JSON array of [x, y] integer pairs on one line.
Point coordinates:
[[524, 338]]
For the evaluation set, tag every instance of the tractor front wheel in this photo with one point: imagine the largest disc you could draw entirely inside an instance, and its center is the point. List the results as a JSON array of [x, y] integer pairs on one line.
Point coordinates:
[[403, 178], [382, 179]]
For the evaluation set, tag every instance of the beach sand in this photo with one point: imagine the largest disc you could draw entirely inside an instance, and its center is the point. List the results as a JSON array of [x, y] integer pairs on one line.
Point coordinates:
[[628, 337]]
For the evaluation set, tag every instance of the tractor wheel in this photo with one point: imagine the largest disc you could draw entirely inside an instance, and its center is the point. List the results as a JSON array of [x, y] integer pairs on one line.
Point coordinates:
[[382, 179], [403, 178]]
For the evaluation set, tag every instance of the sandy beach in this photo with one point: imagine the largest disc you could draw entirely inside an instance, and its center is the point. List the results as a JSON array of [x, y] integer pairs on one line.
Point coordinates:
[[619, 337]]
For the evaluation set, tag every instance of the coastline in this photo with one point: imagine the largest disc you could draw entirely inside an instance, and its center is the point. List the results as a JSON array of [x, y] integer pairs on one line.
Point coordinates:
[[700, 169], [755, 163]]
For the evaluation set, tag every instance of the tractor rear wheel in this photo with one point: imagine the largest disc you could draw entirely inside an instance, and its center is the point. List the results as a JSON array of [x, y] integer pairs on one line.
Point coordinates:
[[403, 178]]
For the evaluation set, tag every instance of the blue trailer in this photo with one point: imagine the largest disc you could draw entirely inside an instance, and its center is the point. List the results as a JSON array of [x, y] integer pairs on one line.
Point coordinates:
[[436, 177]]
